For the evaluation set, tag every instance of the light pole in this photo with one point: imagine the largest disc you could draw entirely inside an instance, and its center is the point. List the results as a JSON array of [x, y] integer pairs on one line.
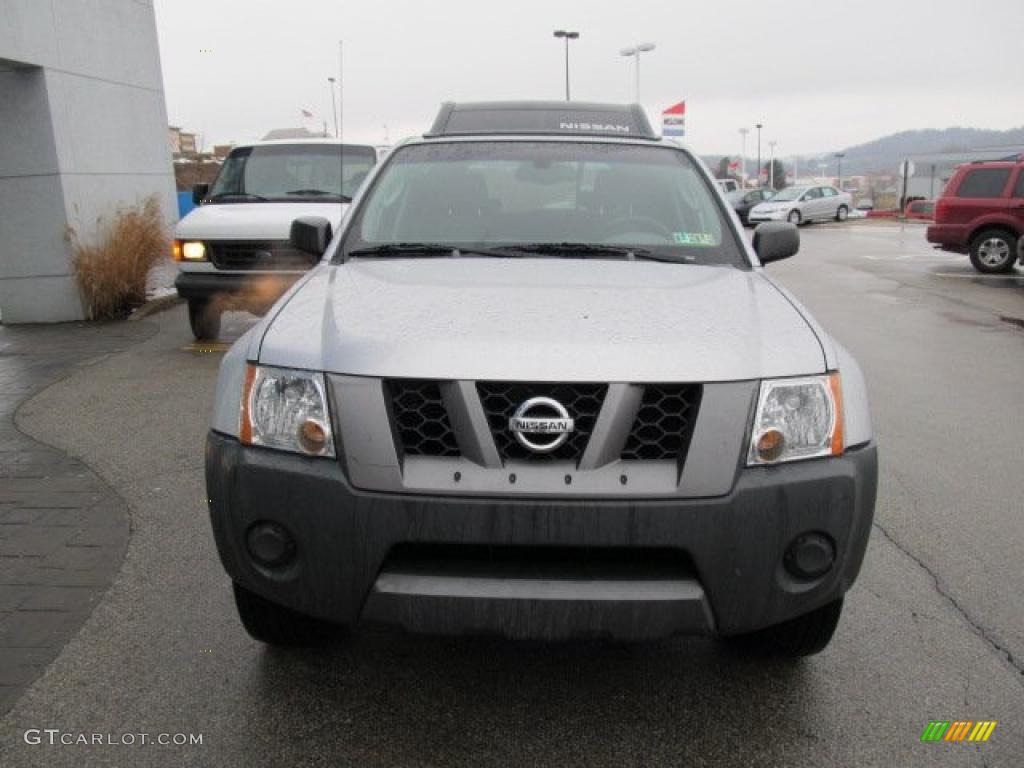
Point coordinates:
[[334, 107], [771, 164], [822, 167], [759, 126], [636, 50], [568, 36], [743, 157], [839, 157]]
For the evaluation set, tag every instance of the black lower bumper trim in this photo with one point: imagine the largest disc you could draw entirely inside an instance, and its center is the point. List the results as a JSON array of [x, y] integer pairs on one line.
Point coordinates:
[[736, 545]]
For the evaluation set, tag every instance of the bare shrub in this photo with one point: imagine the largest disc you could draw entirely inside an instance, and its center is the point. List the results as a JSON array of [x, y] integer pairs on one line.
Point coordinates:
[[112, 270]]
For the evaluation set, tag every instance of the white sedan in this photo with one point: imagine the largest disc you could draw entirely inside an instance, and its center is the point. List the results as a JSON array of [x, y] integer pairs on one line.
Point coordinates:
[[800, 204]]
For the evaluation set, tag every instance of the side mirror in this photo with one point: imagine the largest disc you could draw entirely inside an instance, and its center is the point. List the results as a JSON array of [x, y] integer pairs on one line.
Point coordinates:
[[310, 234], [776, 240], [199, 192]]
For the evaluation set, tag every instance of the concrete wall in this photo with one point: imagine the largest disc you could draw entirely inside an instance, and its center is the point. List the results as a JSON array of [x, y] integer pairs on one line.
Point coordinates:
[[83, 131]]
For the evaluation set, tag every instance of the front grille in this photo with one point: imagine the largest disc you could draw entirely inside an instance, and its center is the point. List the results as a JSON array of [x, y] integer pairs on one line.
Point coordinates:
[[269, 255], [500, 400], [421, 419], [664, 423]]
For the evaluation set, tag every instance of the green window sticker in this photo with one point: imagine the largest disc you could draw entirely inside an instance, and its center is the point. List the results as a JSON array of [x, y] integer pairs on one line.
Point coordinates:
[[693, 238]]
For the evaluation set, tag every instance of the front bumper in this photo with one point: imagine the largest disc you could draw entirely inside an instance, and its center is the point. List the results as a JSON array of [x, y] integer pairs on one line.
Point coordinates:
[[346, 539], [949, 237], [260, 288], [767, 216]]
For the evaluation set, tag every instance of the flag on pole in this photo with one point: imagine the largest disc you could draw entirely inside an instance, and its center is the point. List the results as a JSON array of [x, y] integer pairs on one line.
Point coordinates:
[[734, 165], [673, 120]]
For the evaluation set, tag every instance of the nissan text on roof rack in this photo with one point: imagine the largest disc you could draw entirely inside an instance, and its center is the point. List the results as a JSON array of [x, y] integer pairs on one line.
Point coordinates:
[[541, 386], [233, 249]]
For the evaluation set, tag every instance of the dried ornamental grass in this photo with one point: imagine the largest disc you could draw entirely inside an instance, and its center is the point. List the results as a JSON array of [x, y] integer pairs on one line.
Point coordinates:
[[112, 271]]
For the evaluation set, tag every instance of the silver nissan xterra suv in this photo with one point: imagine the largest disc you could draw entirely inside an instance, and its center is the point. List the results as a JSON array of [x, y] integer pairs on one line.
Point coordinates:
[[541, 386]]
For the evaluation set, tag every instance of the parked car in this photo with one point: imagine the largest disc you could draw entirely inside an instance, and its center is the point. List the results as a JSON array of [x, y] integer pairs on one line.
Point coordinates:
[[798, 205], [923, 210], [743, 200], [233, 248], [490, 411], [727, 185], [981, 213]]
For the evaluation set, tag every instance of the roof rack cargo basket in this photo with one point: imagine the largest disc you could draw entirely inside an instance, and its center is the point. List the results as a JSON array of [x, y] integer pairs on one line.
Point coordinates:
[[542, 118]]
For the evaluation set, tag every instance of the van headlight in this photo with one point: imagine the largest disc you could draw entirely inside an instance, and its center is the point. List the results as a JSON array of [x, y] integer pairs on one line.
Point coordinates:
[[799, 418], [286, 409]]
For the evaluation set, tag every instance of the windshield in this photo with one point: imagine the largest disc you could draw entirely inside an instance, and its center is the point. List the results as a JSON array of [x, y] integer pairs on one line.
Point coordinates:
[[293, 172], [789, 193], [736, 196], [517, 193]]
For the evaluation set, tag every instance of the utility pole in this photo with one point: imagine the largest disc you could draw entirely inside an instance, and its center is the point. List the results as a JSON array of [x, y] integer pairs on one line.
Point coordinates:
[[636, 50], [743, 157], [771, 165], [334, 106], [759, 126], [567, 36], [839, 170]]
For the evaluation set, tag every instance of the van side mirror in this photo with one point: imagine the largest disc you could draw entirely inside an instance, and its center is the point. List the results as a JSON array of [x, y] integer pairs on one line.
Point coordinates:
[[776, 240], [310, 234], [199, 192]]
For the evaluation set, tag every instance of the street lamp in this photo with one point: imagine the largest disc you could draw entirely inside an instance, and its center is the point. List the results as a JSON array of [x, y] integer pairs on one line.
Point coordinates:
[[771, 165], [759, 126], [636, 50], [743, 157], [568, 36], [839, 157], [334, 107]]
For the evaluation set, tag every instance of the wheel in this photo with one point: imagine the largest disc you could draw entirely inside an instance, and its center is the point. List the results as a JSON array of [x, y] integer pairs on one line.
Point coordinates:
[[794, 217], [993, 251], [276, 625], [803, 636], [204, 319], [842, 212]]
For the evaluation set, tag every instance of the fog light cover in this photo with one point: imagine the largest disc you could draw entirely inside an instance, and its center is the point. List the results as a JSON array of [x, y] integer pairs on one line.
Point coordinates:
[[810, 556]]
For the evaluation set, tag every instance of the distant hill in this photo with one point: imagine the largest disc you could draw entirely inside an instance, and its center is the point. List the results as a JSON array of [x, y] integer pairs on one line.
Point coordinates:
[[885, 154]]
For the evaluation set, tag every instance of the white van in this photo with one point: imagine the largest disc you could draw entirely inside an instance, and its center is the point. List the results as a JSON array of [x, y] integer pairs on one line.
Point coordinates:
[[233, 249], [727, 185]]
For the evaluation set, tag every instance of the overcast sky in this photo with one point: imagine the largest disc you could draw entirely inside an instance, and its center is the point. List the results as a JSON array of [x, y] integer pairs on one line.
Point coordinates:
[[819, 74]]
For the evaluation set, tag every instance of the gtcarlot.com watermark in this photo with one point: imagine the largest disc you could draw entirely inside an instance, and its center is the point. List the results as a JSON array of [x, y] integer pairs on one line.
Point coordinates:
[[56, 737]]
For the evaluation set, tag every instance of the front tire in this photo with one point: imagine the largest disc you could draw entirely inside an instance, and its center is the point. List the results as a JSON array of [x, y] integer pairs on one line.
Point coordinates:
[[803, 636], [993, 251], [204, 319], [842, 213], [795, 218], [276, 625]]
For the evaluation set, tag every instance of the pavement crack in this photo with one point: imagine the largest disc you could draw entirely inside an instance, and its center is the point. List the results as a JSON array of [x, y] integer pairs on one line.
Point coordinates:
[[976, 628]]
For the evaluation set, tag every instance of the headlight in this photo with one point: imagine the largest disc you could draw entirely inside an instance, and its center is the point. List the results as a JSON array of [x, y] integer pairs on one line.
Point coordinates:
[[286, 409], [193, 250], [797, 419]]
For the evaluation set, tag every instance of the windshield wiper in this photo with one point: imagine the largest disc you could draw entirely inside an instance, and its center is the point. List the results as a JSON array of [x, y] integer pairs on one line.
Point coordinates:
[[431, 249], [319, 193], [582, 250], [246, 195]]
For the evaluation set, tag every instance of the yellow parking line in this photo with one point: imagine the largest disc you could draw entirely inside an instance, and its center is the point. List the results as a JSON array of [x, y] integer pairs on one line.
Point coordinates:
[[207, 347]]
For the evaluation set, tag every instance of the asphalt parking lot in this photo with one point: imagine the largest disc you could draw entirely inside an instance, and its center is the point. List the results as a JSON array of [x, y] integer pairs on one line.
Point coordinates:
[[933, 630]]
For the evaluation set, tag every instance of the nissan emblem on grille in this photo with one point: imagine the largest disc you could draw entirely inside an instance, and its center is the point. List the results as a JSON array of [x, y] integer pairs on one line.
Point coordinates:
[[541, 416]]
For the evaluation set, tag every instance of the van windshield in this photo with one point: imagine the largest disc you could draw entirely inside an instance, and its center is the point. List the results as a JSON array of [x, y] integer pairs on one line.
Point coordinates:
[[293, 172], [544, 197]]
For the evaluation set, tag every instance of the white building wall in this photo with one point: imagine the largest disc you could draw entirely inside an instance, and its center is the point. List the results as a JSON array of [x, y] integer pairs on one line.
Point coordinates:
[[83, 131]]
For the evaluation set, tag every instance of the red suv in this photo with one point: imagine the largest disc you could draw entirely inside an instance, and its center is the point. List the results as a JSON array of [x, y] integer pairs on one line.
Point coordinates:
[[981, 212]]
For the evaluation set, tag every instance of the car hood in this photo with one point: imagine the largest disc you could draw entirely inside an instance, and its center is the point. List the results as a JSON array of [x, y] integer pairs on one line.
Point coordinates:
[[541, 320], [252, 221]]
